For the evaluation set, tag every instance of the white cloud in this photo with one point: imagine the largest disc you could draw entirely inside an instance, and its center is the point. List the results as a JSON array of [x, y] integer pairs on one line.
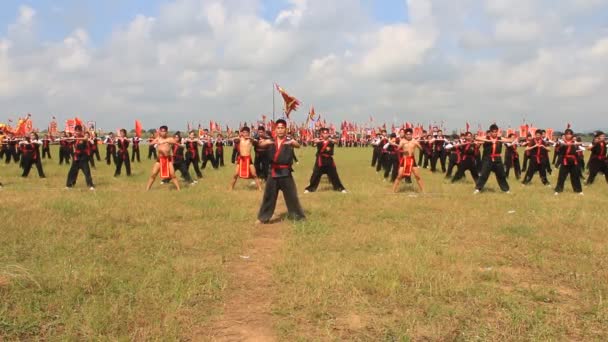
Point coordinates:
[[201, 59]]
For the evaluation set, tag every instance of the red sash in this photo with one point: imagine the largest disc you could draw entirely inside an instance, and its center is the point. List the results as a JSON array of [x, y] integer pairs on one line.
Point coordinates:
[[244, 162], [164, 167], [408, 164]]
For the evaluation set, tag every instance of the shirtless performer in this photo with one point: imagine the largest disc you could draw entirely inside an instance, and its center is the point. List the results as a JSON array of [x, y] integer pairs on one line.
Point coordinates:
[[407, 147], [244, 166], [164, 163]]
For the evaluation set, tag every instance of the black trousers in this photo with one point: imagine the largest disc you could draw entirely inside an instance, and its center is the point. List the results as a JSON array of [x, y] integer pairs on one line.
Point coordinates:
[[420, 156], [595, 166], [92, 161], [28, 162], [496, 166], [122, 158], [427, 159], [9, 154], [219, 157], [209, 158], [332, 174], [181, 167], [64, 155], [513, 164], [261, 164], [437, 156], [271, 193], [525, 163], [465, 165], [452, 159], [46, 152], [152, 152], [381, 160], [391, 166], [82, 164], [110, 155], [235, 153], [135, 154], [536, 166], [375, 156], [575, 178], [194, 161], [95, 153]]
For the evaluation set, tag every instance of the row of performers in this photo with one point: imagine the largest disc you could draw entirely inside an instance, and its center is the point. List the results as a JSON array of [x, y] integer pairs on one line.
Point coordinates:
[[31, 148], [465, 154]]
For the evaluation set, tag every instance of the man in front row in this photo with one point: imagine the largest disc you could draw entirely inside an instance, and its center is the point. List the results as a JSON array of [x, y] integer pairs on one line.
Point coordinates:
[[407, 148], [324, 164], [164, 163], [280, 152]]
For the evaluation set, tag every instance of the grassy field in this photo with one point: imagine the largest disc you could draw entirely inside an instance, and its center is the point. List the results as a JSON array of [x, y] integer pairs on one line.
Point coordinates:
[[120, 263]]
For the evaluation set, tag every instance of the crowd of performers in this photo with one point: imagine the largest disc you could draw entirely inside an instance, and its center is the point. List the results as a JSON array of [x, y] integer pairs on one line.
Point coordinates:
[[267, 157], [491, 153], [81, 149]]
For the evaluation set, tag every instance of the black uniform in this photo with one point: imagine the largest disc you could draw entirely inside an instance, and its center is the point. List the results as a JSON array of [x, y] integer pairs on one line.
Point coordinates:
[[11, 151], [538, 162], [80, 161], [438, 154], [122, 156], [179, 163], [569, 166], [151, 150], [467, 162], [30, 155], [46, 148], [280, 178], [512, 161], [135, 149], [324, 164], [192, 157], [208, 155], [110, 151], [598, 161], [219, 153], [64, 151], [391, 161], [491, 161], [261, 162]]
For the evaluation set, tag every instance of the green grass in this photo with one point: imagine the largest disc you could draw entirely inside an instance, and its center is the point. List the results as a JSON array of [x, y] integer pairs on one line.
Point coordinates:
[[120, 263]]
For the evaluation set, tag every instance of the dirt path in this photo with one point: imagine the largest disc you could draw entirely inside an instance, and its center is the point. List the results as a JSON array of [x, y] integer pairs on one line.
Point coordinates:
[[247, 311]]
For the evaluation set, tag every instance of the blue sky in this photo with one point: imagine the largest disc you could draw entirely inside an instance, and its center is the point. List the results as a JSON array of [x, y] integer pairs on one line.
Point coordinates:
[[59, 17]]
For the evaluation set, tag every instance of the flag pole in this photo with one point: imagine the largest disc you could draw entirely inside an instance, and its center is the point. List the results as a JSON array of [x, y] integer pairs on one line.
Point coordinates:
[[273, 103]]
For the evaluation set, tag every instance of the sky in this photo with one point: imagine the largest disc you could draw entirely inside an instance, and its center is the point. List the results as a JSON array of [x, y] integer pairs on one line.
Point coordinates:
[[422, 61]]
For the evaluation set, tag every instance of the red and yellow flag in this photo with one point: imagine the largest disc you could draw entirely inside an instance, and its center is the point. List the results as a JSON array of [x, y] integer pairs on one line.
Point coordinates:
[[291, 103]]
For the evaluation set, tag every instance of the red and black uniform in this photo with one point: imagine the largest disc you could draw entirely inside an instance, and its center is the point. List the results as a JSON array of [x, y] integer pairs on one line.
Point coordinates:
[[30, 155], [538, 160], [381, 154], [135, 149], [110, 150], [453, 160], [391, 161], [208, 154], [219, 153], [46, 148], [598, 161], [261, 161], [94, 151], [192, 157], [179, 163], [324, 164], [80, 161], [569, 166], [512, 160], [376, 150], [64, 150], [280, 178], [529, 142], [491, 161], [438, 154], [151, 149], [11, 151], [122, 156], [467, 161]]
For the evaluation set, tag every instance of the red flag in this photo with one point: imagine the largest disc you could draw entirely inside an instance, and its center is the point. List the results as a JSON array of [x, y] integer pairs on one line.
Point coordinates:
[[408, 125], [211, 126], [291, 103], [468, 126], [138, 128], [550, 133], [568, 126]]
